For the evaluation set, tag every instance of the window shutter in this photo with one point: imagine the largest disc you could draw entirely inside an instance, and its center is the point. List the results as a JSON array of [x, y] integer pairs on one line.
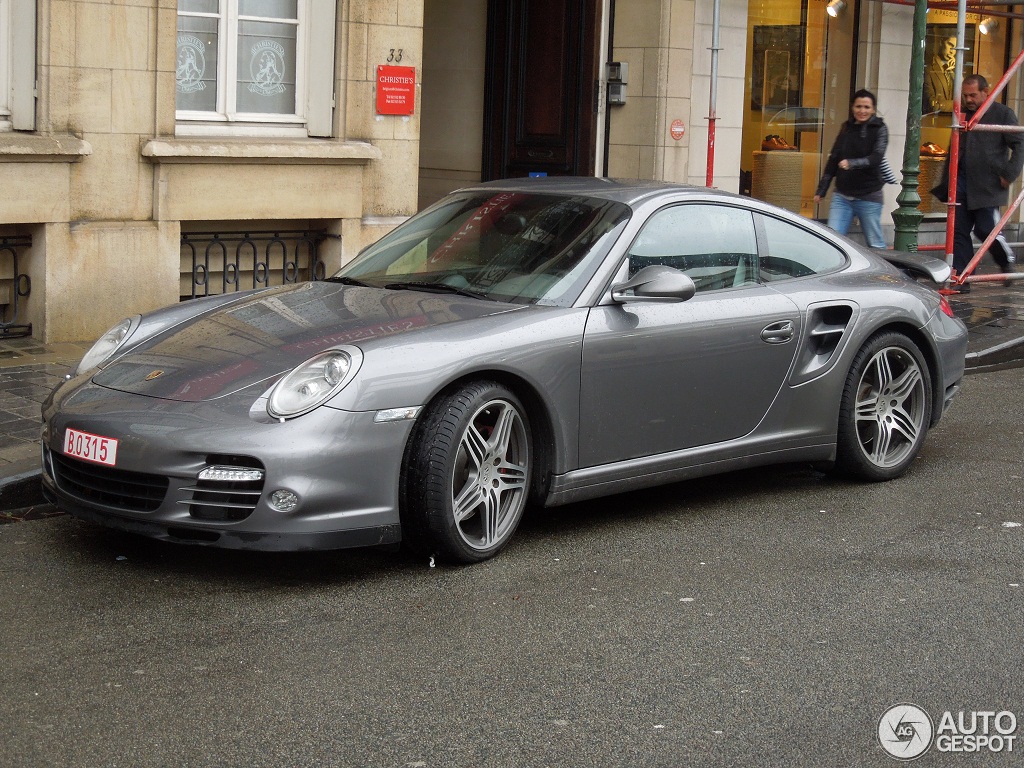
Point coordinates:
[[320, 98], [23, 65]]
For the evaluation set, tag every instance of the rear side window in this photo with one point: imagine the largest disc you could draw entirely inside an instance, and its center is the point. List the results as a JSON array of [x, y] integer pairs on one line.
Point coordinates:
[[791, 251]]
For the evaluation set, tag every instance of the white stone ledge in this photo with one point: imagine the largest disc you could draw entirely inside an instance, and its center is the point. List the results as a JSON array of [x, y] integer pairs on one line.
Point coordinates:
[[384, 221], [278, 151], [30, 148]]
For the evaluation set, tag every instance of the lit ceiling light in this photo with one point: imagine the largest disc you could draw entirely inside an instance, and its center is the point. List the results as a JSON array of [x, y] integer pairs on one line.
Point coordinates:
[[835, 7], [987, 26]]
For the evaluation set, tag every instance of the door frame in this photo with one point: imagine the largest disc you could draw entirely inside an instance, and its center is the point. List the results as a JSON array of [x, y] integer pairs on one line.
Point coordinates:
[[586, 146]]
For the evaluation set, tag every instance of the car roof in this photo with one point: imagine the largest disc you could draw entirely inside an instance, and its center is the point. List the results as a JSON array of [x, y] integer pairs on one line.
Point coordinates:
[[628, 191]]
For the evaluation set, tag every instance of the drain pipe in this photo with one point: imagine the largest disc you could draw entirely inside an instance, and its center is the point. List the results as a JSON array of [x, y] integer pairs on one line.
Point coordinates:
[[713, 102]]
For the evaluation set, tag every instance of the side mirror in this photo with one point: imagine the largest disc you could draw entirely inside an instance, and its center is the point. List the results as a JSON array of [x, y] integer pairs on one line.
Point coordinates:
[[656, 283]]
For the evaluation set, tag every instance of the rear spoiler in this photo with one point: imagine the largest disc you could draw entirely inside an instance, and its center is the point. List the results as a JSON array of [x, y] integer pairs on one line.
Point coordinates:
[[917, 264]]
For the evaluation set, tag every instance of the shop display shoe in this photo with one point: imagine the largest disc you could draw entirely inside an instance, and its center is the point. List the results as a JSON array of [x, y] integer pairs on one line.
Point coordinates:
[[774, 141], [932, 149]]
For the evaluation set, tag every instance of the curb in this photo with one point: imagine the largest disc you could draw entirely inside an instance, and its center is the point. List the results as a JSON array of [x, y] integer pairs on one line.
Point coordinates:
[[22, 490], [1008, 353]]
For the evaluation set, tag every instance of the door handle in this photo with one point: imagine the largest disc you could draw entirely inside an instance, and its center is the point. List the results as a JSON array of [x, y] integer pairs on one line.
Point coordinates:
[[778, 333]]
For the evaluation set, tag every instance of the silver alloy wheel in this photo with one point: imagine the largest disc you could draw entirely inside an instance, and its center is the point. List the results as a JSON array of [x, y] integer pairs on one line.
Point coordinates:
[[891, 407], [489, 475]]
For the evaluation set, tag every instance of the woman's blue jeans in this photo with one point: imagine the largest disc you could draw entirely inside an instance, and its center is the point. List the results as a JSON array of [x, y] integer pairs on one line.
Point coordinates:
[[843, 209]]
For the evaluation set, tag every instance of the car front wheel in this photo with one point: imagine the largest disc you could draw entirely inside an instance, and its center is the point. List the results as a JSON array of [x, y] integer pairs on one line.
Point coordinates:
[[885, 410], [467, 474]]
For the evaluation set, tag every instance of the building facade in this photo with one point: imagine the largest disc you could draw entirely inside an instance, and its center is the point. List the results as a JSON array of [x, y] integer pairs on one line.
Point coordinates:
[[156, 150]]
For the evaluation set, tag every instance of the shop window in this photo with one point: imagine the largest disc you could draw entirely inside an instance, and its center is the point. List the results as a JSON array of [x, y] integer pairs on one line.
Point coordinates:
[[255, 66], [985, 54], [17, 64], [799, 65]]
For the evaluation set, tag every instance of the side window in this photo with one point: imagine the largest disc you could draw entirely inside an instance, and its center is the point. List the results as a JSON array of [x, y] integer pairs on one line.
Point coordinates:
[[714, 244], [794, 252], [264, 65]]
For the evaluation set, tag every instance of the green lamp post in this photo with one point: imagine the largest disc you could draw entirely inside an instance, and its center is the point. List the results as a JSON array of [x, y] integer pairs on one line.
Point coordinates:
[[907, 217]]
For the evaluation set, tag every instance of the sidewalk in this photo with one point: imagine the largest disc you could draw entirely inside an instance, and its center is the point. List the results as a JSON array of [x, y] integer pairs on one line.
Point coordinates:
[[29, 370]]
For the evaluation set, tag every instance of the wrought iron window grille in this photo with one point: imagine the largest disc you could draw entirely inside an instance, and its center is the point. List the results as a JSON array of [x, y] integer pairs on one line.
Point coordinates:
[[14, 286], [223, 262]]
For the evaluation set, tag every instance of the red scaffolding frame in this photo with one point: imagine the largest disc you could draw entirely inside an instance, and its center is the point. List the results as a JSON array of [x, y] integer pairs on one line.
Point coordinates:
[[988, 8]]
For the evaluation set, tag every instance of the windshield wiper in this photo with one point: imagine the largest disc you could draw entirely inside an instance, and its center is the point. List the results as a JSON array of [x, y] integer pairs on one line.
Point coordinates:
[[427, 287], [347, 281]]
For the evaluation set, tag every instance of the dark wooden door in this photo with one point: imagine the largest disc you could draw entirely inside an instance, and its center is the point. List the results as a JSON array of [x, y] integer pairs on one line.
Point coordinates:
[[542, 79]]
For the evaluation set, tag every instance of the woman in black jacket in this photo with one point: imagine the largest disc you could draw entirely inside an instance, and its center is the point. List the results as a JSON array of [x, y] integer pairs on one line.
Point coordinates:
[[855, 162]]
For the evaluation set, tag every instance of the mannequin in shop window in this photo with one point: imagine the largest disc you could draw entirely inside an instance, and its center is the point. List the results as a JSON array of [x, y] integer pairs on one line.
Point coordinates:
[[938, 84], [857, 164]]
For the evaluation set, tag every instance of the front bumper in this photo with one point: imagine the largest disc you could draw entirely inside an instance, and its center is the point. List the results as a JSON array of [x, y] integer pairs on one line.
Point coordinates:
[[343, 468], [230, 538]]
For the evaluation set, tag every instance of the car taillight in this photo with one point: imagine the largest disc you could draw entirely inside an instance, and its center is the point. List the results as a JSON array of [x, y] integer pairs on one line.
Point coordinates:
[[947, 310]]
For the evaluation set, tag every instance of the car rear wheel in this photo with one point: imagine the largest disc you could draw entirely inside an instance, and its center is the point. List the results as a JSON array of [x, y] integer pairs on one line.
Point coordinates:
[[467, 474], [885, 410]]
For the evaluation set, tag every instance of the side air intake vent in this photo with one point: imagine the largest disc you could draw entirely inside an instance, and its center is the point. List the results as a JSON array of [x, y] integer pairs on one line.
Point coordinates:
[[827, 325]]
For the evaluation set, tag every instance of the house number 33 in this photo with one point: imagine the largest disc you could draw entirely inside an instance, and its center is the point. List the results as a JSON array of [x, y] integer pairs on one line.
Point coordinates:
[[395, 55]]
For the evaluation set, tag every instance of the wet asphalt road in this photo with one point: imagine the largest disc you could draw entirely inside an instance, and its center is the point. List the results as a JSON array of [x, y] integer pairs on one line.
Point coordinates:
[[761, 618]]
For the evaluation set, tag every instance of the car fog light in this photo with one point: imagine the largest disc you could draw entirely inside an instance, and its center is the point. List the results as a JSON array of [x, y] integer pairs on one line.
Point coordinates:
[[231, 474], [284, 501]]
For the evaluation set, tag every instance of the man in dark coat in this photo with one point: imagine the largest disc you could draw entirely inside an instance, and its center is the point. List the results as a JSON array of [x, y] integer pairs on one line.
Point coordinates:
[[989, 162]]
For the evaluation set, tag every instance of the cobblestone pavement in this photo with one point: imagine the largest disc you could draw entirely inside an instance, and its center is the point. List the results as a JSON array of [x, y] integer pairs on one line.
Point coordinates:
[[29, 371]]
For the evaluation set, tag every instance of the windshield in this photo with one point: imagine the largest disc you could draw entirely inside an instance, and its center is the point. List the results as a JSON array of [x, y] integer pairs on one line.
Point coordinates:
[[506, 246]]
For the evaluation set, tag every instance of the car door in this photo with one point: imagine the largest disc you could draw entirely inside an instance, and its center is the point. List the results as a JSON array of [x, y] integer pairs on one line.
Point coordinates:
[[660, 377]]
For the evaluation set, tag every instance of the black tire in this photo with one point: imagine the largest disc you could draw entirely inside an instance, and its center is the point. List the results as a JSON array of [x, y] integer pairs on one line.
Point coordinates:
[[467, 474], [885, 410]]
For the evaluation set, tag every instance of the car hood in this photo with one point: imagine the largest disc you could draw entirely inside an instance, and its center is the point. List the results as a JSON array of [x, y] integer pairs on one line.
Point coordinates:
[[273, 331]]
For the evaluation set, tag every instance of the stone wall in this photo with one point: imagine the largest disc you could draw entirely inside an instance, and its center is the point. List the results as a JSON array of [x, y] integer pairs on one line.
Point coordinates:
[[106, 179]]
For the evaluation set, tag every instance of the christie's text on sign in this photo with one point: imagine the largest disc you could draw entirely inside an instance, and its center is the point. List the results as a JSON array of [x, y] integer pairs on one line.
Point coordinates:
[[396, 90]]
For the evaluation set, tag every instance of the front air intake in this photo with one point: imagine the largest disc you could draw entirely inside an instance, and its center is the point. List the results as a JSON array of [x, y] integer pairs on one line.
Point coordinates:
[[96, 485]]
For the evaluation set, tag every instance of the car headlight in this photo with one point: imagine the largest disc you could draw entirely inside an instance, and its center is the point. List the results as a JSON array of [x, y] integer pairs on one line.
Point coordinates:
[[313, 383], [108, 344]]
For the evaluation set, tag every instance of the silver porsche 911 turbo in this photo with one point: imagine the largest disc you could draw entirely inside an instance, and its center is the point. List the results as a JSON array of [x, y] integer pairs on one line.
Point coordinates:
[[539, 341]]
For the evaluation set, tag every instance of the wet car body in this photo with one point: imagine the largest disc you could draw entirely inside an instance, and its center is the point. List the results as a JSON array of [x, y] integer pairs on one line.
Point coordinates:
[[605, 390]]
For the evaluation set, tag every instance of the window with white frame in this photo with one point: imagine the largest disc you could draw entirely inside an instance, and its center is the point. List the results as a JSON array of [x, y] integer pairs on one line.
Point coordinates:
[[17, 64], [255, 66]]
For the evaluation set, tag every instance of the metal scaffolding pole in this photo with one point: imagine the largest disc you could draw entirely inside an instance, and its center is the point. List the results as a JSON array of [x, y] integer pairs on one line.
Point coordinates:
[[954, 154], [709, 177], [907, 217]]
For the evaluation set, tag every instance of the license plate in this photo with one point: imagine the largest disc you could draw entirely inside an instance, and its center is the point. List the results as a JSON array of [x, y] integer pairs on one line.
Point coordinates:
[[95, 448]]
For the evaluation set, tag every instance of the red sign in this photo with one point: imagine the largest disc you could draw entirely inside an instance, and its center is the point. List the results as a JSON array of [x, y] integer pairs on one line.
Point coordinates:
[[678, 129], [396, 90]]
